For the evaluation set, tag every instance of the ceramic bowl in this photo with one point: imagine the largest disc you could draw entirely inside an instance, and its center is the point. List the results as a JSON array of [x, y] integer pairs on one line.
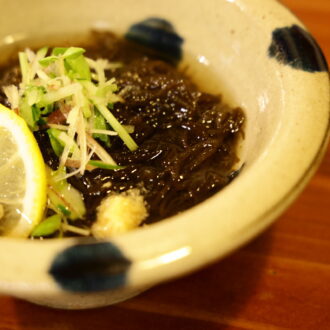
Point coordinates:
[[262, 59]]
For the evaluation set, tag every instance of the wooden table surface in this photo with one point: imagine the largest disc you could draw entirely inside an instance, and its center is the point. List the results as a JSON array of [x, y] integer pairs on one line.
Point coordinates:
[[279, 281]]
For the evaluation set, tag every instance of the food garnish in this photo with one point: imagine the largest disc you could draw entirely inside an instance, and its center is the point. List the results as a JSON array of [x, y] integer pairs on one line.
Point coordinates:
[[70, 95]]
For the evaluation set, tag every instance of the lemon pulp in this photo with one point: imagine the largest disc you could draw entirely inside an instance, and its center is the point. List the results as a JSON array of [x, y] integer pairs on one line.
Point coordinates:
[[22, 177]]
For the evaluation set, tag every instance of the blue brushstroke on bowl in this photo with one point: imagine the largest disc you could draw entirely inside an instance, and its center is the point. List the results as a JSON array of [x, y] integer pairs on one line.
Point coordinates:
[[90, 268], [294, 46], [159, 35]]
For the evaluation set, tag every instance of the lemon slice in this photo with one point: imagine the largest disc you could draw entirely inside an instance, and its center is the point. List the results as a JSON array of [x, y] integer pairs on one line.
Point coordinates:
[[23, 189]]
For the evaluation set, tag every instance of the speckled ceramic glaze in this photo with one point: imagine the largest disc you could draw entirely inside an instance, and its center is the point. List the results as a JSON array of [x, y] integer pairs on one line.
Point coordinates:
[[262, 59]]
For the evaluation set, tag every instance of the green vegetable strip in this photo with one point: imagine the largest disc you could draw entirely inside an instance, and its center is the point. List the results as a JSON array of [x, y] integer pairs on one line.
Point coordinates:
[[34, 94], [64, 210], [57, 51], [48, 60], [25, 112], [59, 140], [41, 53], [25, 68], [48, 226], [100, 123], [83, 103], [55, 143], [60, 94], [105, 166], [111, 119], [61, 193], [78, 68], [73, 52]]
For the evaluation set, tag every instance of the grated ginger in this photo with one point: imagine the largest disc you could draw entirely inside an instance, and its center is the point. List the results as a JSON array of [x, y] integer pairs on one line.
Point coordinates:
[[119, 213]]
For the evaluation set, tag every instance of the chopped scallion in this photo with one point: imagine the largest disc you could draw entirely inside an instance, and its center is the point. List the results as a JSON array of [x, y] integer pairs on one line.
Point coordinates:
[[100, 124], [57, 89], [64, 210], [112, 120], [105, 166], [47, 227], [48, 60], [24, 66], [57, 146]]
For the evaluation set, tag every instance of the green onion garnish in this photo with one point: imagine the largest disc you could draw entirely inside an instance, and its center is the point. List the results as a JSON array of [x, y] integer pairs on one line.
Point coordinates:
[[47, 227], [105, 166]]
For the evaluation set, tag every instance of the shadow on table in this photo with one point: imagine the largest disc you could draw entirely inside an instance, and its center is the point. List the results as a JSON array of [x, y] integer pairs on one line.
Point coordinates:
[[209, 299]]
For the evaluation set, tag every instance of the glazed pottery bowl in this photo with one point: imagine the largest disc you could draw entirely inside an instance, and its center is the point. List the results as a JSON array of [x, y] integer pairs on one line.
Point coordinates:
[[254, 52]]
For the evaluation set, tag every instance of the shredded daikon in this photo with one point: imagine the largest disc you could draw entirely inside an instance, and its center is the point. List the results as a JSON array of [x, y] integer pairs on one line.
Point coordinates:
[[100, 151], [12, 95]]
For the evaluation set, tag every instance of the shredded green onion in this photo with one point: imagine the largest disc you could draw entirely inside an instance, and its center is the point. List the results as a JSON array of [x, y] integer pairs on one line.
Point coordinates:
[[62, 194], [47, 227], [104, 165], [111, 119], [25, 67], [65, 211], [70, 95], [100, 124], [63, 80]]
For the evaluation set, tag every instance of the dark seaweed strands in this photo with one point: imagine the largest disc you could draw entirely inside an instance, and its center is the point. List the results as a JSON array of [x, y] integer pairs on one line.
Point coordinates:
[[187, 139]]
